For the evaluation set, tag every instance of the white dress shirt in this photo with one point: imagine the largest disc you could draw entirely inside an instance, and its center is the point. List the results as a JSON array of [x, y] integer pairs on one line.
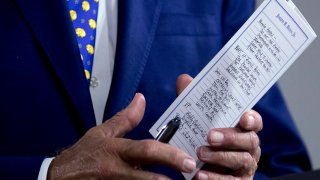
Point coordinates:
[[103, 64], [105, 49]]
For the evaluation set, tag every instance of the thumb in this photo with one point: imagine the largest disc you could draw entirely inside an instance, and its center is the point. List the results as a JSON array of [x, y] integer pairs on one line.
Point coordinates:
[[127, 119], [182, 82]]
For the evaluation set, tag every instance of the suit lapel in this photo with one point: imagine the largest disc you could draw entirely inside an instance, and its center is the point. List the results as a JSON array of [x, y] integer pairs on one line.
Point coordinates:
[[137, 22], [50, 22]]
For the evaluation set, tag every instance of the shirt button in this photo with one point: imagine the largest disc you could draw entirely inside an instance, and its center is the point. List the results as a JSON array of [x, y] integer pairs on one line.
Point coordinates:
[[94, 82]]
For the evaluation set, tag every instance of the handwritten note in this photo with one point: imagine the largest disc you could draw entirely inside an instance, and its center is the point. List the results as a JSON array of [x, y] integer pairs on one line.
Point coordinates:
[[241, 73]]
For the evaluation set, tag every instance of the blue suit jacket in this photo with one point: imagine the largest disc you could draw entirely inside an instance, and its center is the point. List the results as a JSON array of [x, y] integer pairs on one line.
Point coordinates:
[[45, 101]]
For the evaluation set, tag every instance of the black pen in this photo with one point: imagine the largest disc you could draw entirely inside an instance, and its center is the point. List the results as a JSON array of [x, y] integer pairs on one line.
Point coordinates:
[[168, 130]]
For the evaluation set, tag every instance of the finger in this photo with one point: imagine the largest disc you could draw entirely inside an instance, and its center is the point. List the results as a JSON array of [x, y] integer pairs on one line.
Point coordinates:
[[205, 175], [122, 170], [140, 174], [251, 121], [237, 161], [154, 152], [127, 119], [182, 82], [233, 138]]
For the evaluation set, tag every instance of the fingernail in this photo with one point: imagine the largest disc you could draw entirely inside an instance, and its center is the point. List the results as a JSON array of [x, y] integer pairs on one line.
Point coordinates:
[[250, 122], [137, 100], [189, 165], [216, 137], [136, 105], [203, 154], [203, 176]]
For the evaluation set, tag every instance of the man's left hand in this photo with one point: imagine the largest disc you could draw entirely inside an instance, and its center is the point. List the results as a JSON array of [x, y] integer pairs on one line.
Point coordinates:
[[232, 153]]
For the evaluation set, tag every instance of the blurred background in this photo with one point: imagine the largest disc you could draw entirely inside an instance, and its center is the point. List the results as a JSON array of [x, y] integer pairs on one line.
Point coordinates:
[[301, 84]]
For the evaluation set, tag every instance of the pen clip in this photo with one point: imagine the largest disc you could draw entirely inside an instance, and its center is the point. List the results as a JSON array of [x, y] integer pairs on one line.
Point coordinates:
[[161, 131], [168, 130]]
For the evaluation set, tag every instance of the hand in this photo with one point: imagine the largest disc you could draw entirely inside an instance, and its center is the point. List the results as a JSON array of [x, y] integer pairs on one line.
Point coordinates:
[[103, 154], [232, 153]]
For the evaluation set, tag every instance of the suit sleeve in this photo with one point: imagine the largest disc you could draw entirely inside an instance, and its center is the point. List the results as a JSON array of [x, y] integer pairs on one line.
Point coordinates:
[[283, 151], [20, 167]]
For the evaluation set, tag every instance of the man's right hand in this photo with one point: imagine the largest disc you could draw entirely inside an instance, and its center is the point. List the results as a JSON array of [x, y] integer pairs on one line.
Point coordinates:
[[103, 154]]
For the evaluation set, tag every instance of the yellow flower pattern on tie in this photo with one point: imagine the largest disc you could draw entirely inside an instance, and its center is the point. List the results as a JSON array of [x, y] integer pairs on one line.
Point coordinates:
[[83, 14]]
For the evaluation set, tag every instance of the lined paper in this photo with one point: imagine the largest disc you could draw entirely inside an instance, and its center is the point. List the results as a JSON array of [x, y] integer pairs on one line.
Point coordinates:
[[240, 74]]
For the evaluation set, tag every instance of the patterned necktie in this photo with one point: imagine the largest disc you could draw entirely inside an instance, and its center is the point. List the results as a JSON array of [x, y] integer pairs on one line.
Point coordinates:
[[83, 15]]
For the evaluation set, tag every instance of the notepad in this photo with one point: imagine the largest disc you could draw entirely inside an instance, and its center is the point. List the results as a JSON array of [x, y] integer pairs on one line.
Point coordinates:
[[239, 75]]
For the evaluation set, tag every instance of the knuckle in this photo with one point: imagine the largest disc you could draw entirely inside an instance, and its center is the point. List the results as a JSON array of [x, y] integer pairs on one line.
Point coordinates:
[[173, 156], [258, 154], [254, 139], [111, 131], [250, 172], [247, 160], [222, 156], [106, 148], [149, 149], [95, 132], [231, 137], [92, 132]]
